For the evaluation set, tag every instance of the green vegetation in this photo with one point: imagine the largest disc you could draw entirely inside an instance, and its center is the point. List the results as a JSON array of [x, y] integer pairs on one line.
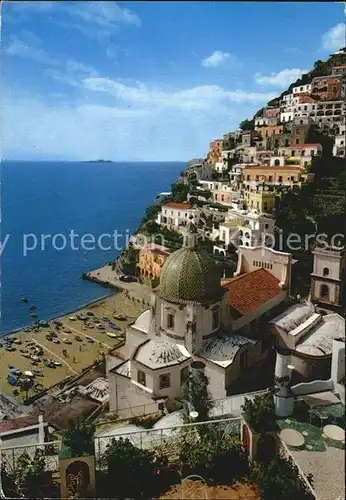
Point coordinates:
[[197, 397], [179, 192], [130, 470], [280, 480], [218, 459], [259, 413], [220, 207], [246, 125], [316, 207], [78, 440], [28, 477]]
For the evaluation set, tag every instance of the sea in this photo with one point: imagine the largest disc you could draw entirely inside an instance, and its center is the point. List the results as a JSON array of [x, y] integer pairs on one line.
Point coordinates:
[[46, 210]]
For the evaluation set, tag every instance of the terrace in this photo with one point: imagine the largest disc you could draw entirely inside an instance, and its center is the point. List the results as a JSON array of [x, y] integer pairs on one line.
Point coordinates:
[[320, 456]]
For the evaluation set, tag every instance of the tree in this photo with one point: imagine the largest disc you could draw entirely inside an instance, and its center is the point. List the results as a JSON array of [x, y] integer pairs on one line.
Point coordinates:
[[247, 125], [78, 438], [259, 413], [133, 468], [29, 478], [197, 397], [179, 192], [216, 457]]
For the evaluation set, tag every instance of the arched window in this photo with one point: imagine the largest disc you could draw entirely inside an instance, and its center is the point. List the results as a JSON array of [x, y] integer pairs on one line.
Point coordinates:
[[324, 292], [325, 271], [277, 163]]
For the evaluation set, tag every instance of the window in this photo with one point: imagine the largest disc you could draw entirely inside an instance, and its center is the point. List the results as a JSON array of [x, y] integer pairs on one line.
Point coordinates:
[[170, 321], [165, 381], [243, 361], [270, 178], [325, 271], [324, 292], [280, 178], [277, 163], [247, 177], [266, 226], [141, 377], [216, 319], [184, 374]]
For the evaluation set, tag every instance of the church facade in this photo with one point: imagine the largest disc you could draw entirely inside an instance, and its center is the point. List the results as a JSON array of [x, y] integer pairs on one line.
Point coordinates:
[[190, 319]]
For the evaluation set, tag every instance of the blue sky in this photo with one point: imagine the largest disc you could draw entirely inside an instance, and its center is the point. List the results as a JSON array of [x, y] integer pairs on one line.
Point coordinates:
[[149, 80]]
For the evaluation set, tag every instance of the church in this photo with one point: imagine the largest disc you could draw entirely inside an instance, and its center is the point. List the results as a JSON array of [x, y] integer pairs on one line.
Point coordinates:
[[191, 318]]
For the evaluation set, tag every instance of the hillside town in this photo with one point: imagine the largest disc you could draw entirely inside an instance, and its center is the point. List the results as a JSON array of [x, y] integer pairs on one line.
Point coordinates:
[[240, 273]]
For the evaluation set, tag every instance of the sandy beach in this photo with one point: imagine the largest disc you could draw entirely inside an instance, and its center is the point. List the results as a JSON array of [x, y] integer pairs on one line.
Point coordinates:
[[78, 354]]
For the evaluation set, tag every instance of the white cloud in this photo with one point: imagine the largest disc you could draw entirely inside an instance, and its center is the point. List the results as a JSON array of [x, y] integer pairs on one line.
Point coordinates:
[[218, 58], [103, 13], [65, 70], [121, 121], [335, 38], [98, 20], [19, 48], [282, 79], [197, 98]]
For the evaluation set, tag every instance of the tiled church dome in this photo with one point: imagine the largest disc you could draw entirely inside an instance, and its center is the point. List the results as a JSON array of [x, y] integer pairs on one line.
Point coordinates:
[[190, 274]]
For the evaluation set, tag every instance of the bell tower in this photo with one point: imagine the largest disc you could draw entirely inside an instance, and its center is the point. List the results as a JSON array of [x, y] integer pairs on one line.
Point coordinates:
[[327, 278]]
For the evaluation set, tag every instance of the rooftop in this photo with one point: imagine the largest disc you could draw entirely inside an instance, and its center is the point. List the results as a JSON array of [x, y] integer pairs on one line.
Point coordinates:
[[18, 423], [252, 290], [155, 248], [294, 316], [320, 338], [274, 168], [322, 457], [173, 204], [160, 354], [142, 322], [223, 348], [301, 146]]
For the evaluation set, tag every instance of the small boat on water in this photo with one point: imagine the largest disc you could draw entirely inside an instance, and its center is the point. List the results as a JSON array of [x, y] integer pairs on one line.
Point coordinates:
[[25, 299], [34, 315], [32, 308]]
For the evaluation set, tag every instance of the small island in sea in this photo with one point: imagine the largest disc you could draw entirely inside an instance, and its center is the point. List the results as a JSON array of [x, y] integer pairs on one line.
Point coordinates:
[[99, 161]]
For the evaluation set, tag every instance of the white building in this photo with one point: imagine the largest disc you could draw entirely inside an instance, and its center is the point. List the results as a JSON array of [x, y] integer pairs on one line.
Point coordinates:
[[339, 148], [302, 89], [244, 227], [309, 336], [177, 215]]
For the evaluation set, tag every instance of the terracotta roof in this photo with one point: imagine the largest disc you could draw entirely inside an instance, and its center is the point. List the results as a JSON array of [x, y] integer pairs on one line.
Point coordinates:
[[300, 146], [19, 423], [173, 204], [273, 168], [251, 290]]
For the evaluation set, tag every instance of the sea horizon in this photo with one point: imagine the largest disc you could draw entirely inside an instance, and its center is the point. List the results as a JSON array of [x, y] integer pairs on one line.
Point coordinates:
[[54, 201]]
